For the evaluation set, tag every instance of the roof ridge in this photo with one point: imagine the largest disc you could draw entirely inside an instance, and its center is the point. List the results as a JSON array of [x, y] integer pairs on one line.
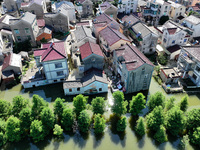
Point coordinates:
[[84, 30], [90, 47], [115, 33]]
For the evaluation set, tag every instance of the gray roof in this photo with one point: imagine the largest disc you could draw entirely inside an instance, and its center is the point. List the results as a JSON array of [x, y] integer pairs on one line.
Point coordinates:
[[72, 84], [82, 32], [193, 50], [28, 17], [193, 19], [143, 29]]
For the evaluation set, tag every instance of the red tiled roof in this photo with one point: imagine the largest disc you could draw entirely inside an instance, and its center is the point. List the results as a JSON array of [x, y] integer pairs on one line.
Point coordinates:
[[24, 4], [105, 6], [133, 57], [174, 48], [40, 22], [89, 48], [6, 62], [112, 36], [171, 30], [54, 52]]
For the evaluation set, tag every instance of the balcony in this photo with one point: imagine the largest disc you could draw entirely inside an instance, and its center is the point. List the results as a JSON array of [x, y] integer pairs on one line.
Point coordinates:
[[186, 63], [154, 8]]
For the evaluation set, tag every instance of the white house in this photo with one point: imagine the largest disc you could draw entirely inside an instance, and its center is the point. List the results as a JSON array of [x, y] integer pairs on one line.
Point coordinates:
[[193, 23], [127, 6]]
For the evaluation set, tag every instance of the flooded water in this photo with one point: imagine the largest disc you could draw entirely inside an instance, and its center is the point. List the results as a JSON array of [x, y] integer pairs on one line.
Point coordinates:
[[110, 140]]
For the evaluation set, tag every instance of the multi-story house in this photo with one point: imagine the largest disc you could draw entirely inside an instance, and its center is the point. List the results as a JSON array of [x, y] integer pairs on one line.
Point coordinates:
[[53, 59], [5, 22], [189, 63], [59, 22], [173, 34], [155, 9], [185, 3], [84, 7], [194, 9], [133, 68], [80, 36], [37, 7], [108, 9], [67, 8], [25, 28], [144, 38], [176, 10], [102, 21], [110, 39], [11, 7], [193, 23], [127, 6]]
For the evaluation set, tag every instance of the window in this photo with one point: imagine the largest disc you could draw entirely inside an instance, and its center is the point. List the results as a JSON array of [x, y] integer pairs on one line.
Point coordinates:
[[70, 90], [19, 38], [164, 40], [16, 31], [60, 73], [28, 37], [58, 65], [78, 89], [93, 59], [143, 70], [100, 89], [185, 40], [122, 44], [27, 30], [194, 76], [59, 21], [198, 68], [173, 41]]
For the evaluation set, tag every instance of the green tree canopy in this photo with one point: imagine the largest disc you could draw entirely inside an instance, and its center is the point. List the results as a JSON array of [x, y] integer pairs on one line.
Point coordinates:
[[170, 103], [19, 103], [121, 124], [3, 139], [98, 105], [193, 119], [47, 118], [67, 119], [195, 136], [36, 131], [58, 107], [175, 121], [79, 103], [84, 121], [140, 127], [155, 118], [119, 106], [137, 104], [5, 109], [157, 99], [99, 124], [13, 131], [161, 135], [57, 130], [38, 105], [25, 118], [184, 103], [163, 19]]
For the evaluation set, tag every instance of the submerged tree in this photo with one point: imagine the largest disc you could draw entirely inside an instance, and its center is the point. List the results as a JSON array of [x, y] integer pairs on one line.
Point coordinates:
[[36, 131], [67, 119], [121, 124], [155, 118], [184, 142], [98, 105], [158, 99], [25, 118], [58, 107], [84, 121], [195, 136], [160, 135], [79, 103], [170, 103], [5, 109], [119, 106], [184, 103], [137, 104], [57, 130], [140, 127], [99, 124], [193, 119]]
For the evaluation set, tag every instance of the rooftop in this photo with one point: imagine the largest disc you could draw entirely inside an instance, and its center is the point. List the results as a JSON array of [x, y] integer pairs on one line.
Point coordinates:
[[133, 58], [170, 72], [143, 29], [194, 51], [12, 60], [193, 19], [174, 48], [131, 19], [104, 6]]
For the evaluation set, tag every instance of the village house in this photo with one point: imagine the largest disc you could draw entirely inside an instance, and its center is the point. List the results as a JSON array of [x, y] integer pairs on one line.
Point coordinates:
[[189, 63], [173, 52], [127, 6], [67, 8], [176, 10], [102, 21], [5, 22], [169, 75], [37, 7], [59, 22], [44, 34], [110, 39], [194, 9], [84, 7], [11, 7], [25, 28], [12, 62], [108, 9], [133, 69], [90, 57], [154, 10], [193, 23], [174, 34], [185, 3], [144, 38], [93, 82], [80, 36]]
